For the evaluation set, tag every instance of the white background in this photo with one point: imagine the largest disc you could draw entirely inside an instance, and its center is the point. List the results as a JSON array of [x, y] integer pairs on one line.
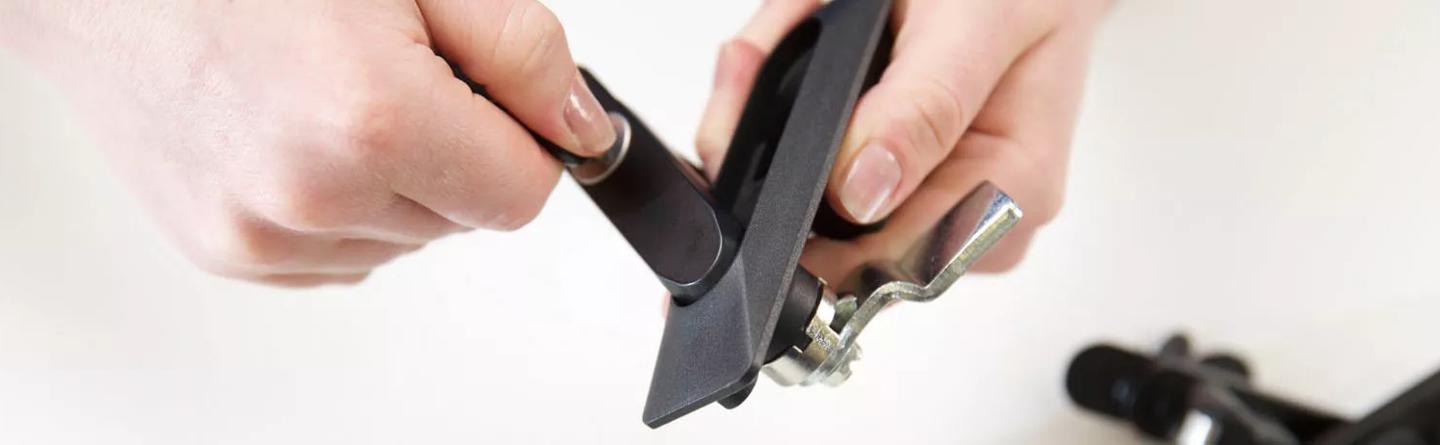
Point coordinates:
[[1262, 174]]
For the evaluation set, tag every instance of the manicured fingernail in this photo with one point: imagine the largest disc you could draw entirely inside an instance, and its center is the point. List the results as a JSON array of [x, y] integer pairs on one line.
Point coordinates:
[[587, 119], [873, 178]]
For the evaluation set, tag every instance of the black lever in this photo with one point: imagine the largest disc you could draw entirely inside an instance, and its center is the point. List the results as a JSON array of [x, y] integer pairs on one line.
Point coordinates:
[[731, 259], [659, 203], [662, 206], [772, 183]]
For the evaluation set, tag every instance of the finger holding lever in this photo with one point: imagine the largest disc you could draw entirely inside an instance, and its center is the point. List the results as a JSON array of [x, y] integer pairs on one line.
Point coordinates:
[[309, 144], [974, 91], [523, 60]]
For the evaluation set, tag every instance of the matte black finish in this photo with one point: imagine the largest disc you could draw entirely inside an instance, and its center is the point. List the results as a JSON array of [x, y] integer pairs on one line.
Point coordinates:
[[1412, 418], [664, 209], [1103, 379], [713, 348], [800, 304], [660, 204], [766, 117], [731, 259], [764, 121], [1155, 393]]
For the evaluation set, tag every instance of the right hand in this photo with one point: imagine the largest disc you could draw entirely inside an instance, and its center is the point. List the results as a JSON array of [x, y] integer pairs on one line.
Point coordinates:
[[975, 90], [307, 142]]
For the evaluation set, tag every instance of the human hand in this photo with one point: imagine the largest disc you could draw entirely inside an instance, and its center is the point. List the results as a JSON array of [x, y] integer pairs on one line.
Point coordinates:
[[304, 143], [976, 90]]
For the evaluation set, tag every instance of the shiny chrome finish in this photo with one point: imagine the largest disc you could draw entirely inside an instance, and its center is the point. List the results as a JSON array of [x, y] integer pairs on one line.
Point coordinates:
[[596, 170], [933, 261], [941, 255], [1197, 429], [796, 366]]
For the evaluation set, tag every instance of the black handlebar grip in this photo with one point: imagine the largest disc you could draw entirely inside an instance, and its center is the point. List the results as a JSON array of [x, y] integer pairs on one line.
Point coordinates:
[[1106, 379]]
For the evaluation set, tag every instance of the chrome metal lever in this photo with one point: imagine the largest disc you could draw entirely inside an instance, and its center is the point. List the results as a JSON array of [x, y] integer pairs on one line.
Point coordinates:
[[933, 261]]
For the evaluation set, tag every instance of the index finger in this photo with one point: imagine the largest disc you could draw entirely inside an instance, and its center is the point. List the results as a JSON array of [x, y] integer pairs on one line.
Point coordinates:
[[517, 49]]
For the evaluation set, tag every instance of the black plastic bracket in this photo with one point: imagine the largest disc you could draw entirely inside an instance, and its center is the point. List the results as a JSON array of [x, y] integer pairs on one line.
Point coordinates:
[[729, 253], [773, 181]]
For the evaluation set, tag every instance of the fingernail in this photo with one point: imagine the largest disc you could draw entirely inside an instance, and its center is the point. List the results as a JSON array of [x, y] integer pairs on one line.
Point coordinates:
[[587, 119], [873, 178]]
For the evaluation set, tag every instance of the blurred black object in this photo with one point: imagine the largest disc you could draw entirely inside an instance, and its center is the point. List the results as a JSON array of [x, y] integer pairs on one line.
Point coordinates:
[[1176, 397]]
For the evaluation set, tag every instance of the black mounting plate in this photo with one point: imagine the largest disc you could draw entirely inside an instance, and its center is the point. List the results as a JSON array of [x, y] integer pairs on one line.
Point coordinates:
[[772, 181]]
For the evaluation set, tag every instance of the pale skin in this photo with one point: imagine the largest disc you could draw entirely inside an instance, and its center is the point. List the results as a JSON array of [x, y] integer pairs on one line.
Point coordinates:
[[976, 90], [308, 143]]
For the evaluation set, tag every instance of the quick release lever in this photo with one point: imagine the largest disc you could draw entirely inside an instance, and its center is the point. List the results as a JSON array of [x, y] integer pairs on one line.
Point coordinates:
[[659, 203], [729, 252]]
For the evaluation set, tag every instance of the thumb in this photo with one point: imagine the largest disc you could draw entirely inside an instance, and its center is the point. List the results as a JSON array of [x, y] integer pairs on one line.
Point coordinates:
[[914, 117]]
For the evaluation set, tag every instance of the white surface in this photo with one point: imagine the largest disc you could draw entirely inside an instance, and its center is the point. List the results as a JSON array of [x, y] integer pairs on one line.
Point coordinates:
[[1262, 174]]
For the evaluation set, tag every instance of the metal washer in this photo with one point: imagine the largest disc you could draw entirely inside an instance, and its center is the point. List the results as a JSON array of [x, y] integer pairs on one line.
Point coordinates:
[[596, 170]]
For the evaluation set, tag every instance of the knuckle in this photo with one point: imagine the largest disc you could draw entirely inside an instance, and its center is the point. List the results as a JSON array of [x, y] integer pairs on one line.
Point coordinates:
[[939, 116], [927, 119], [367, 128], [240, 249], [316, 185], [303, 209], [531, 35], [307, 200]]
